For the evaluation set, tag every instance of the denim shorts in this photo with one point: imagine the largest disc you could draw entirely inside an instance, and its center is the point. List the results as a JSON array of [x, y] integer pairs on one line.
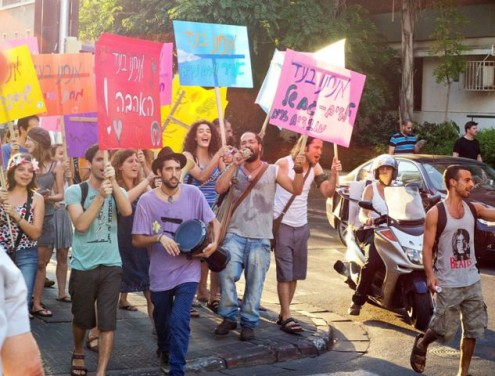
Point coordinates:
[[94, 293], [452, 304]]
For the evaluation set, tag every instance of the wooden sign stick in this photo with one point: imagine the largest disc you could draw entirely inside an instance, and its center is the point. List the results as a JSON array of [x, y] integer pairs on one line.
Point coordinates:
[[64, 146], [220, 116]]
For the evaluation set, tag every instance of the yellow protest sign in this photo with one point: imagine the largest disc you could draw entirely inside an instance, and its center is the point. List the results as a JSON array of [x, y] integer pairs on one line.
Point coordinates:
[[196, 104], [20, 92]]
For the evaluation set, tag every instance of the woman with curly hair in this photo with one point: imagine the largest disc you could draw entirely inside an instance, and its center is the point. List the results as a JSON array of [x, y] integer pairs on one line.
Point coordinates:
[[25, 209], [135, 261], [203, 147]]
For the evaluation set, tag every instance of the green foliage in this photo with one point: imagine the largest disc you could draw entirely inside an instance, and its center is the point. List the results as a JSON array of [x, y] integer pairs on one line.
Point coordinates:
[[440, 138], [486, 137], [447, 42]]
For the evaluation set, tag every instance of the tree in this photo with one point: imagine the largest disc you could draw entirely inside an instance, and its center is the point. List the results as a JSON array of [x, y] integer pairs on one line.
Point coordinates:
[[447, 44]]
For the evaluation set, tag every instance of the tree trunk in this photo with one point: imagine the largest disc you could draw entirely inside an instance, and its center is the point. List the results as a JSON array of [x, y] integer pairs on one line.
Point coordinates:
[[446, 115], [407, 87]]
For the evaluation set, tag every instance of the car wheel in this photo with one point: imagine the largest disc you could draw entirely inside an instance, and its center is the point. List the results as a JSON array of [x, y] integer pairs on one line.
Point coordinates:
[[342, 231]]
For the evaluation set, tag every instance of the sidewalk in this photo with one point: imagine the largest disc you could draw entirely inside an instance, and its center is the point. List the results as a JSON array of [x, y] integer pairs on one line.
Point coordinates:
[[135, 346]]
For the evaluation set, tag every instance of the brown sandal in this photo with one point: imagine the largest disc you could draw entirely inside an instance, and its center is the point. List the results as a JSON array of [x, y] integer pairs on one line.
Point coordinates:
[[92, 343], [77, 370], [418, 356]]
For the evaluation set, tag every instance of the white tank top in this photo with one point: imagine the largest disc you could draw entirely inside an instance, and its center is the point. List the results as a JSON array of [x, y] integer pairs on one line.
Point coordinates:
[[378, 202], [297, 214]]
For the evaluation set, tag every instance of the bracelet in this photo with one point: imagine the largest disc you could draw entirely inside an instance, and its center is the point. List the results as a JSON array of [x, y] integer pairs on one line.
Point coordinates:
[[159, 238], [298, 169]]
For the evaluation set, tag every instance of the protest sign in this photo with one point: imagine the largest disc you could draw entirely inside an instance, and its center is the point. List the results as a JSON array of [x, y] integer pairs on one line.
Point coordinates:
[[51, 123], [67, 82], [31, 42], [81, 132], [196, 104], [127, 74], [213, 55], [333, 54], [166, 74], [20, 93], [317, 99]]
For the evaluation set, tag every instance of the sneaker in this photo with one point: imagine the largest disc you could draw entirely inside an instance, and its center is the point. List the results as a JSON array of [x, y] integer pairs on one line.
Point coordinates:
[[247, 334], [354, 309], [225, 327]]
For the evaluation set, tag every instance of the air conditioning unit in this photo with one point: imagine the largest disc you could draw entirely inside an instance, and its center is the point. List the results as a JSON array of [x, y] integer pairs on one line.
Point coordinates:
[[488, 76]]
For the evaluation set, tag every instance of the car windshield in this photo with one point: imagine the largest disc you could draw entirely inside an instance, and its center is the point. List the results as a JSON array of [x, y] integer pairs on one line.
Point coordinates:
[[483, 175]]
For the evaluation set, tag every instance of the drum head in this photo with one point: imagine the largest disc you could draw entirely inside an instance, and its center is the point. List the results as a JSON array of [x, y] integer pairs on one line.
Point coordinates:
[[191, 235]]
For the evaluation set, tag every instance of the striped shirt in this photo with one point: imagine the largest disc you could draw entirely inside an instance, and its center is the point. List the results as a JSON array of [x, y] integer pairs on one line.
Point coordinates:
[[403, 144]]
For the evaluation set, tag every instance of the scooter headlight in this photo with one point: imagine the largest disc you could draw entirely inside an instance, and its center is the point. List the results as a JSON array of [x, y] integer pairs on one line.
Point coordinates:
[[414, 255]]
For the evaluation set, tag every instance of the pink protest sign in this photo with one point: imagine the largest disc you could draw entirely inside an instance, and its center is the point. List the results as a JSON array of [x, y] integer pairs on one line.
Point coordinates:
[[128, 92], [317, 99], [166, 74], [31, 42], [67, 82]]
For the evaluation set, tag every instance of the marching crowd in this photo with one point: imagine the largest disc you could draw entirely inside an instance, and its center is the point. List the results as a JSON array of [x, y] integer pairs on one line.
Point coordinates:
[[122, 217]]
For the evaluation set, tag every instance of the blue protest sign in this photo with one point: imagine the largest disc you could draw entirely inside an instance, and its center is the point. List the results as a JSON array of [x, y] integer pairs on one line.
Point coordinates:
[[213, 55]]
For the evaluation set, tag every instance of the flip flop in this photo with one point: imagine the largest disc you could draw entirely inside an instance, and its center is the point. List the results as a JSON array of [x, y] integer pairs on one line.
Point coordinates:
[[194, 313], [65, 299], [418, 356], [43, 312], [213, 305], [128, 307]]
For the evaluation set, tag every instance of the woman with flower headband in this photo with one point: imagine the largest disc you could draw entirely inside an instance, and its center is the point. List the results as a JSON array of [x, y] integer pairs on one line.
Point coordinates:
[[203, 147], [50, 181], [25, 209]]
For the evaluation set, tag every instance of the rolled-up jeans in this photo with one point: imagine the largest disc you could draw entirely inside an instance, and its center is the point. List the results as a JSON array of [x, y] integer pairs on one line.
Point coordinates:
[[26, 260], [252, 256]]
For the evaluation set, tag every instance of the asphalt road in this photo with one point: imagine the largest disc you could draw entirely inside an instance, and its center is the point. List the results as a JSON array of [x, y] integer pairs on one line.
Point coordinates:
[[391, 337]]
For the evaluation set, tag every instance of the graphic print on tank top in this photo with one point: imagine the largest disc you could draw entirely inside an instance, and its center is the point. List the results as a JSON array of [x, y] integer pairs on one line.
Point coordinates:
[[460, 245]]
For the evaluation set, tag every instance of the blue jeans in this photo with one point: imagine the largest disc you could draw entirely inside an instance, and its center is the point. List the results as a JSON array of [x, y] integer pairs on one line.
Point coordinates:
[[27, 261], [171, 313], [252, 255]]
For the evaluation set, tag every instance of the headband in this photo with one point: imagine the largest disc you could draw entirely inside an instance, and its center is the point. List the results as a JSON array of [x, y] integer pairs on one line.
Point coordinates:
[[20, 159]]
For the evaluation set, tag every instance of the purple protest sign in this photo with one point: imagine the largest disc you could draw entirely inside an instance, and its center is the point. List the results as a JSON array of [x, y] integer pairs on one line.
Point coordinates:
[[81, 131]]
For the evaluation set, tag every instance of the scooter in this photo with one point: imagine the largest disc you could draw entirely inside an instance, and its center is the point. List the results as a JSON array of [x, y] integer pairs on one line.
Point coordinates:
[[398, 235]]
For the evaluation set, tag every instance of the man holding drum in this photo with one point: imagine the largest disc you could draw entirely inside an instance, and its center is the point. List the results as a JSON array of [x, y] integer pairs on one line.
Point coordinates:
[[174, 270]]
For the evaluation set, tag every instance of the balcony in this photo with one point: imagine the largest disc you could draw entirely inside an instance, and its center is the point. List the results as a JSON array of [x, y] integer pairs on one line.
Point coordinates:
[[479, 76]]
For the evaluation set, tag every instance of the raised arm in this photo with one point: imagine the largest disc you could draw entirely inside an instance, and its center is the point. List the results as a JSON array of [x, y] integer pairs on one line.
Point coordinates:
[[327, 187], [204, 175]]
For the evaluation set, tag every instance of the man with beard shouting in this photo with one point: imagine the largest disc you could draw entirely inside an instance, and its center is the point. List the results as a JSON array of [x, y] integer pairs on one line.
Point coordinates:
[[291, 246], [249, 232]]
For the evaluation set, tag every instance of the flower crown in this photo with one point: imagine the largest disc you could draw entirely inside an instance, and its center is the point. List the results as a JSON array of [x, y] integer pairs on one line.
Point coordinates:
[[20, 159]]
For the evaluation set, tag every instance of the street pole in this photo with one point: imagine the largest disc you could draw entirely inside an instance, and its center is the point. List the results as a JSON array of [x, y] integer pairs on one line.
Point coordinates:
[[63, 29]]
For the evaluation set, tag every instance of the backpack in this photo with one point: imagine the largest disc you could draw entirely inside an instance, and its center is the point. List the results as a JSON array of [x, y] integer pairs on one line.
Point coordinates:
[[84, 193], [442, 222]]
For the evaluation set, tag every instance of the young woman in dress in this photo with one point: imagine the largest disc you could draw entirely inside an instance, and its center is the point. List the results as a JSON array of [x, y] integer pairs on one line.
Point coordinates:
[[25, 209], [135, 261], [50, 181], [63, 229], [203, 147]]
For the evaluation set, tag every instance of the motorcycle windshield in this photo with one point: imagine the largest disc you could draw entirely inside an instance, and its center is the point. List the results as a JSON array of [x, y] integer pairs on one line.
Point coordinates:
[[404, 203]]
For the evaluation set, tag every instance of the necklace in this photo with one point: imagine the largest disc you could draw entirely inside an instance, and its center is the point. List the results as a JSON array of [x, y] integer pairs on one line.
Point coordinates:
[[170, 197], [251, 174]]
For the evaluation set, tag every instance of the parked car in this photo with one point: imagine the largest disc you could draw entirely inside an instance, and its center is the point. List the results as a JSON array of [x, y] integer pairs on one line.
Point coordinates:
[[425, 171]]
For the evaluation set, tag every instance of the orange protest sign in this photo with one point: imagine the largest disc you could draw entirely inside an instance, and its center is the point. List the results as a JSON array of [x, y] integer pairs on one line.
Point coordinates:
[[67, 82], [20, 93]]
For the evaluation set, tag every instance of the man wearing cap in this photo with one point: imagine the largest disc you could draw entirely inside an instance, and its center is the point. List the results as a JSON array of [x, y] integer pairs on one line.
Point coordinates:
[[174, 271], [96, 274], [17, 146], [468, 146]]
